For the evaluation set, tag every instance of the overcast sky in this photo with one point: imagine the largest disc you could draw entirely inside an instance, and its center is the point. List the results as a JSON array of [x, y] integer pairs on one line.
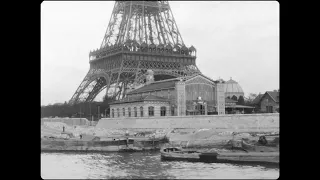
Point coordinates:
[[233, 39]]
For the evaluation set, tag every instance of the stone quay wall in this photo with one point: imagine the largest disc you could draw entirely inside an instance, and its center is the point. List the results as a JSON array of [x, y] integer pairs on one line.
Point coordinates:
[[68, 121], [235, 122], [97, 146]]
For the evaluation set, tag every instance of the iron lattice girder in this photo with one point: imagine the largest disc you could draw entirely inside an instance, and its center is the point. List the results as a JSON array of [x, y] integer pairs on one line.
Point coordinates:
[[101, 82], [141, 35], [112, 68], [151, 22]]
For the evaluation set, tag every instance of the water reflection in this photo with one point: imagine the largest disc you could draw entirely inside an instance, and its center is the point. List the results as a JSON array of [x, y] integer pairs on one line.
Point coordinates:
[[141, 165]]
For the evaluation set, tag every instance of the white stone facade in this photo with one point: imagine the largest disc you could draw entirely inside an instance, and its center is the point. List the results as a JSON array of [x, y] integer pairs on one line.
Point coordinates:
[[144, 106], [175, 98]]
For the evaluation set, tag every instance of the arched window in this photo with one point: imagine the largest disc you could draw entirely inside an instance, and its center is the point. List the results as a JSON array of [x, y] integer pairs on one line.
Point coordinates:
[[151, 111], [141, 111], [129, 112], [234, 98], [135, 112], [118, 112], [172, 111], [124, 112], [163, 111], [112, 114]]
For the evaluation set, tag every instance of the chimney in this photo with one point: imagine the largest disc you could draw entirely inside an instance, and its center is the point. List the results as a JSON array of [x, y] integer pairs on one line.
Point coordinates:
[[149, 77]]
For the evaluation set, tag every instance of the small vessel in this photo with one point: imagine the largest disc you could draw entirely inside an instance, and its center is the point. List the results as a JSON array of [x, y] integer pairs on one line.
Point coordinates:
[[112, 145], [178, 154], [241, 151], [248, 157]]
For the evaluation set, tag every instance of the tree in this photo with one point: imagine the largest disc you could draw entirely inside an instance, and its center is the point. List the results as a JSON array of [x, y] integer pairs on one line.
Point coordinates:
[[234, 98], [240, 100], [248, 101]]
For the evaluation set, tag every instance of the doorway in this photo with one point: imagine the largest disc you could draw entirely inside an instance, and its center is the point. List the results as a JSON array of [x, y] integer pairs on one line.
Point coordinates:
[[200, 109]]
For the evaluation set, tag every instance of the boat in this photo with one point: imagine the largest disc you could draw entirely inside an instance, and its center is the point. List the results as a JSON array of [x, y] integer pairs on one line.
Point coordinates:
[[178, 154], [259, 148], [112, 145], [248, 157], [241, 151], [238, 152]]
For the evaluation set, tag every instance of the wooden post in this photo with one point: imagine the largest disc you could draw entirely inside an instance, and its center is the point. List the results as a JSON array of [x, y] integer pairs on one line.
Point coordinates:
[[153, 142]]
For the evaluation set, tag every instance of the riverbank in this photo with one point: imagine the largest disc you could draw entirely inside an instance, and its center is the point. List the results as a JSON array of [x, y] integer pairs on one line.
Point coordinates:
[[93, 138], [142, 165], [117, 145]]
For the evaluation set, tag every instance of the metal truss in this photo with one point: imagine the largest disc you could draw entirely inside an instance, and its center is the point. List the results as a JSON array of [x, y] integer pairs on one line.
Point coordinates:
[[141, 35], [150, 22]]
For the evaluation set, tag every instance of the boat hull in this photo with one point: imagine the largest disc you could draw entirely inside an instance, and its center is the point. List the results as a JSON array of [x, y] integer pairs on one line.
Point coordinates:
[[92, 146], [257, 157], [190, 156], [221, 157]]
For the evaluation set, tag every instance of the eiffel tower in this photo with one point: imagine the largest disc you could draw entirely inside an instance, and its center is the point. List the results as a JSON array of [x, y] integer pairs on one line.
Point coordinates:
[[141, 36]]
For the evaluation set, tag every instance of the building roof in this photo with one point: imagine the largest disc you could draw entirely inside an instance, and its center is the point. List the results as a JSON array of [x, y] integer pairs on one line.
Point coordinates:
[[157, 85], [230, 100], [192, 76], [242, 106], [239, 106], [164, 84], [232, 86], [274, 95], [140, 99], [257, 99]]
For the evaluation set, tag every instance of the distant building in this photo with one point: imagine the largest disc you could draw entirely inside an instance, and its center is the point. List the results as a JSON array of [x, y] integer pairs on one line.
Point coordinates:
[[232, 88], [267, 102], [233, 108], [188, 95]]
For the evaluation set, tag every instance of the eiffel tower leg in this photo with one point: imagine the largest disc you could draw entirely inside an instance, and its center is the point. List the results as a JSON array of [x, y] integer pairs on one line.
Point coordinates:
[[108, 85], [91, 85], [75, 96], [119, 73]]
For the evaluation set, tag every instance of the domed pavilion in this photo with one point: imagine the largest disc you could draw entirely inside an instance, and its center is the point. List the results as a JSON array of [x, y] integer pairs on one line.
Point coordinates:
[[232, 88]]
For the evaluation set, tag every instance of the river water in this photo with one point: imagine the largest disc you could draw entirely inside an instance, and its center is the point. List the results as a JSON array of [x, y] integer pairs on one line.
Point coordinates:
[[146, 165]]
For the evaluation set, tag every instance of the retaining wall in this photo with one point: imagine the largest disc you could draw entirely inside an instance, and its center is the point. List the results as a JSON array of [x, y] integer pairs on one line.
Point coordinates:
[[234, 122], [68, 121], [98, 146]]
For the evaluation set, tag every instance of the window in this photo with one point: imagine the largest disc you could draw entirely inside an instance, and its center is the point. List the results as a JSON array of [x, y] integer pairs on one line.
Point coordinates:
[[172, 111], [163, 111], [141, 111], [151, 111], [129, 112], [135, 112], [118, 112], [124, 112], [112, 114]]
